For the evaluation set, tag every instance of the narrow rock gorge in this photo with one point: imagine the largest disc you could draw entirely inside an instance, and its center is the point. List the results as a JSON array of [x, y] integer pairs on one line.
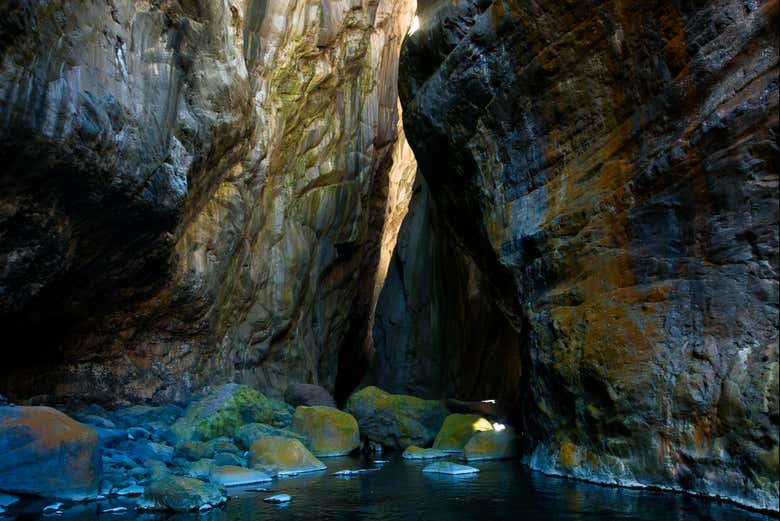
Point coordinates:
[[243, 240]]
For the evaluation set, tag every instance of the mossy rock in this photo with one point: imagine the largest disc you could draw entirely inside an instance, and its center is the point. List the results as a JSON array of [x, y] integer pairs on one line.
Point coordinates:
[[221, 413], [396, 420], [282, 413], [279, 455], [458, 430], [491, 445], [179, 494], [330, 432], [246, 435]]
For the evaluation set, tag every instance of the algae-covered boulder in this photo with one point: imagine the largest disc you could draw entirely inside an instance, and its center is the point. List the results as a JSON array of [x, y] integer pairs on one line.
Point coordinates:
[[330, 432], [221, 413], [458, 430], [47, 453], [181, 494], [415, 452], [396, 420], [282, 456], [491, 445], [246, 435]]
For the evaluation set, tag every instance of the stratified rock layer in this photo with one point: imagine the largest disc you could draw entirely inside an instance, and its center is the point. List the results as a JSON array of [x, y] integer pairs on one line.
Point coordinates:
[[187, 191], [612, 170]]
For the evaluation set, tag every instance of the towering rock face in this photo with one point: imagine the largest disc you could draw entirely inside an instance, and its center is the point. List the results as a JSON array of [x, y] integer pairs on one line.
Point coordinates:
[[187, 189], [612, 170]]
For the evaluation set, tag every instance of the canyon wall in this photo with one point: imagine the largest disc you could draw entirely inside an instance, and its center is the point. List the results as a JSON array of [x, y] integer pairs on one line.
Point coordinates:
[[611, 168], [190, 188]]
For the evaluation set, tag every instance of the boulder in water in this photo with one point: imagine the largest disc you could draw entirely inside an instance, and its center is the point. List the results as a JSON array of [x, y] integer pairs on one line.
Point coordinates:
[[448, 467], [330, 432], [46, 453], [415, 452], [396, 420], [491, 445], [283, 456], [179, 494]]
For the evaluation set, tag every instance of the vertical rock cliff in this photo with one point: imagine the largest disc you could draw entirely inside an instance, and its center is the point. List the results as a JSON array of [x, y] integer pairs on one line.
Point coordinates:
[[611, 168], [190, 188]]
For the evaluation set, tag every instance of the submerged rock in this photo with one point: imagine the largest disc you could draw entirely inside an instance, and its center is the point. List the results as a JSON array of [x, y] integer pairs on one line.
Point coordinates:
[[458, 430], [308, 394], [396, 420], [414, 452], [246, 435], [491, 445], [221, 413], [330, 432], [181, 494], [46, 453], [278, 498], [448, 467], [283, 456], [231, 476]]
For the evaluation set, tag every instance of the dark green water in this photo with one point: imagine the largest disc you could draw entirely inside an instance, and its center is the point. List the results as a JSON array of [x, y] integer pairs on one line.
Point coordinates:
[[504, 490]]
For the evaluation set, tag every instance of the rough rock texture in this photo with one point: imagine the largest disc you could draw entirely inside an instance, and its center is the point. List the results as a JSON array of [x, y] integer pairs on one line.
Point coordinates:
[[612, 169], [46, 453], [396, 420], [187, 190], [330, 432]]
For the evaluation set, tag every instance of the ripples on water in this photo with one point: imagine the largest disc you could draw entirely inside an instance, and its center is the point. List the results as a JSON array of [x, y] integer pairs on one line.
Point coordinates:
[[504, 490]]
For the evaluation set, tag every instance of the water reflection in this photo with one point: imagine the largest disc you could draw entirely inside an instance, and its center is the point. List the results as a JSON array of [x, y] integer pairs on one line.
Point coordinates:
[[400, 491]]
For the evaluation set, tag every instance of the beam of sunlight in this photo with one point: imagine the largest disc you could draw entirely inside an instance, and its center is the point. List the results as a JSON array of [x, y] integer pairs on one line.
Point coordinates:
[[415, 25], [482, 425]]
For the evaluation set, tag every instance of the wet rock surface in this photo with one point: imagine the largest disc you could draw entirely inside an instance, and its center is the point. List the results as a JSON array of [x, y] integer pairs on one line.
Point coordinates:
[[611, 170]]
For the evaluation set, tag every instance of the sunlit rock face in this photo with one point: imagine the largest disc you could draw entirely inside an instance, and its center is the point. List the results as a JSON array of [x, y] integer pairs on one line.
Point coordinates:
[[188, 188], [612, 169]]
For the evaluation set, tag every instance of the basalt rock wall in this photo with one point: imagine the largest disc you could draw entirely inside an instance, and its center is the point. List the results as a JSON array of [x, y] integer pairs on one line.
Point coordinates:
[[611, 168], [187, 190]]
